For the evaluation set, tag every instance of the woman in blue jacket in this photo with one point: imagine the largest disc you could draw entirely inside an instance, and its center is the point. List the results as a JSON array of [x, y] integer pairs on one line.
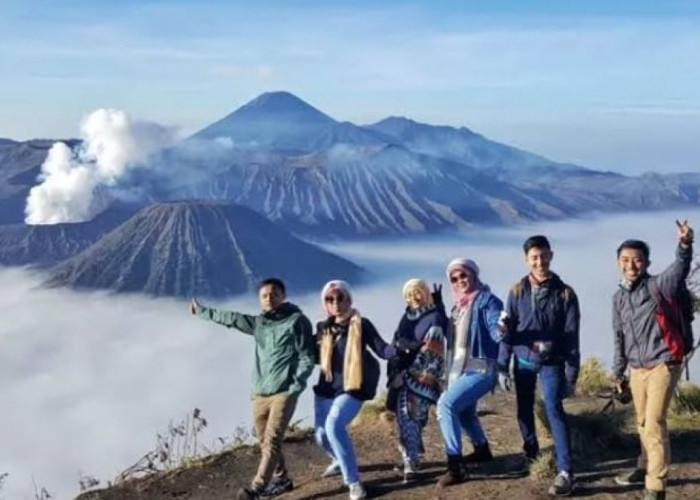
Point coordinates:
[[349, 375], [471, 372]]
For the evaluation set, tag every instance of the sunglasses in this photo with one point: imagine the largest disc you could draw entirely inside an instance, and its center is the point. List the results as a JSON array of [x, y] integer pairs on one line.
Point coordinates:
[[334, 299], [460, 276]]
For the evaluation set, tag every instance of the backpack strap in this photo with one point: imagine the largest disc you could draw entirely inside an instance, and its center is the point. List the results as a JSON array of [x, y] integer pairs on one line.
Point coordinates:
[[673, 320]]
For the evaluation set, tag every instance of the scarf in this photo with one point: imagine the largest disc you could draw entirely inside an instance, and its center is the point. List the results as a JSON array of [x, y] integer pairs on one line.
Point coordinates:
[[465, 299], [352, 361]]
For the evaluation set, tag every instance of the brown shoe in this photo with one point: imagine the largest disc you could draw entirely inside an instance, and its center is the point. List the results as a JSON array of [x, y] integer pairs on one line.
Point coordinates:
[[455, 473]]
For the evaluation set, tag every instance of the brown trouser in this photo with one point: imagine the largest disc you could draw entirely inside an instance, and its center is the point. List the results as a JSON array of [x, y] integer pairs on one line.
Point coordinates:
[[271, 416], [652, 389]]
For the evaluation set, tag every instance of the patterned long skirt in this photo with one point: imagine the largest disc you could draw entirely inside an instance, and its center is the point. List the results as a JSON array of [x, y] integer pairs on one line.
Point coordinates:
[[411, 418]]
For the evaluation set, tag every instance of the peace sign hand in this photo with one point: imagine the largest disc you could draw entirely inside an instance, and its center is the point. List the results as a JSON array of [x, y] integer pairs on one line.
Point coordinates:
[[685, 233]]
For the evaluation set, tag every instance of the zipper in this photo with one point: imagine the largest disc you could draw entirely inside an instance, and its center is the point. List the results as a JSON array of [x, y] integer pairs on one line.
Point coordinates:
[[634, 335]]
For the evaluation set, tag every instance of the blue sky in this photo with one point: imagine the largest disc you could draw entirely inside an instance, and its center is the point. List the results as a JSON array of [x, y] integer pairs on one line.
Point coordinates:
[[611, 85]]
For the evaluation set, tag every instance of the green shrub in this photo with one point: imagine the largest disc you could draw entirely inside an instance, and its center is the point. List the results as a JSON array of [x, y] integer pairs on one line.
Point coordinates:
[[592, 432], [544, 467], [684, 410], [592, 378]]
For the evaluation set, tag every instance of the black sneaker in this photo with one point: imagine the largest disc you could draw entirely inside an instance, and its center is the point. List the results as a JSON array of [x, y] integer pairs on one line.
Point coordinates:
[[563, 485], [636, 476], [277, 486]]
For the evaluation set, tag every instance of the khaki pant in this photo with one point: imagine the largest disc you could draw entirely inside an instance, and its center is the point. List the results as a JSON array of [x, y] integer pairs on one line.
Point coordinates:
[[652, 389], [271, 416]]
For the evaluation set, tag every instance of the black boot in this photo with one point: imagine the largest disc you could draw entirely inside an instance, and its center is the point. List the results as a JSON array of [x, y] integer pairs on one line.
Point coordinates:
[[532, 451], [481, 453], [455, 473]]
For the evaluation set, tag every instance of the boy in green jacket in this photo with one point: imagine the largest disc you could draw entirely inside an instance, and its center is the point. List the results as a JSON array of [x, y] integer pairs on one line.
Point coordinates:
[[284, 359]]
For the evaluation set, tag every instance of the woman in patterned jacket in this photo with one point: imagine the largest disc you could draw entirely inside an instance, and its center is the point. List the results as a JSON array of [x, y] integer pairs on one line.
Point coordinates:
[[414, 377]]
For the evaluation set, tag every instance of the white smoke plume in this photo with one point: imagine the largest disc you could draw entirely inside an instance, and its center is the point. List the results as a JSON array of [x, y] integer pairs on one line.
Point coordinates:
[[112, 144]]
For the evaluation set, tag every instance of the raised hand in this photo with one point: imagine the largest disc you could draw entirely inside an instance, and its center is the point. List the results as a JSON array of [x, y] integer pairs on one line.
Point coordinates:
[[437, 295], [685, 232]]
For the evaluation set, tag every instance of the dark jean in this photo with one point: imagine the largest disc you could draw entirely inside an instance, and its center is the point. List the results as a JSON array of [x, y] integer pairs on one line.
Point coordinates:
[[553, 385]]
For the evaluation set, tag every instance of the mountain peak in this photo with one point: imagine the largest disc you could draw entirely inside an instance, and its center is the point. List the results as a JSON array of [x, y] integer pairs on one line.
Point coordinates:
[[281, 105], [280, 101], [268, 119]]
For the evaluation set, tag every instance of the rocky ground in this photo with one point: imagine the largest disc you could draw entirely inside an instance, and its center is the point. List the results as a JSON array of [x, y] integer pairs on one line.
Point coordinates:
[[218, 477]]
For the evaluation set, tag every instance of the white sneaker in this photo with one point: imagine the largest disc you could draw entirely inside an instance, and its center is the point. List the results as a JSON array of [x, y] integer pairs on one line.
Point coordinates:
[[410, 472], [357, 491], [332, 470]]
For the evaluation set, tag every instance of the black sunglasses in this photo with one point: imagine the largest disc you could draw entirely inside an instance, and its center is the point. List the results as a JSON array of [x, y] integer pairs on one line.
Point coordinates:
[[460, 276], [334, 298]]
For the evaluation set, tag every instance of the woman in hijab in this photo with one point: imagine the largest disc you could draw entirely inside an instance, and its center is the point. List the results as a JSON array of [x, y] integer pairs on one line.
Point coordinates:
[[415, 376], [470, 366], [349, 375]]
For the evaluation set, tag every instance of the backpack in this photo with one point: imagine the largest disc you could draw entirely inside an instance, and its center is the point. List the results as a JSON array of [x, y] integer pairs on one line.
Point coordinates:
[[675, 317]]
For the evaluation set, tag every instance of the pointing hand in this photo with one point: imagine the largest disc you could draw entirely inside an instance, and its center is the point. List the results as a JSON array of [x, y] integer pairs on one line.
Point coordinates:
[[685, 232]]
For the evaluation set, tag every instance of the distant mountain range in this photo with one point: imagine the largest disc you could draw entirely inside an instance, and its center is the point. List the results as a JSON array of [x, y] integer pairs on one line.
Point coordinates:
[[315, 177], [325, 178]]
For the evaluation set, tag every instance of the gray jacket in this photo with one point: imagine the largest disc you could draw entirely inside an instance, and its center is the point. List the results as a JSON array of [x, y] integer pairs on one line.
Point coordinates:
[[638, 338]]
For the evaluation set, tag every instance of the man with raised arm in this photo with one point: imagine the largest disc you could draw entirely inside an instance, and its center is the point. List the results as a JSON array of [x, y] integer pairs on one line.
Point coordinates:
[[284, 359], [649, 338]]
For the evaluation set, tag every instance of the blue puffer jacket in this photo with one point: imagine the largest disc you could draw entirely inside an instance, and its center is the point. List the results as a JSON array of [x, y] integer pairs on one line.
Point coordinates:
[[484, 332]]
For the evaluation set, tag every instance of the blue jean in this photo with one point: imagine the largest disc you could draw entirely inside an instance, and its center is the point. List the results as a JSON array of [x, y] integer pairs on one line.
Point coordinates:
[[553, 384], [331, 417], [456, 410]]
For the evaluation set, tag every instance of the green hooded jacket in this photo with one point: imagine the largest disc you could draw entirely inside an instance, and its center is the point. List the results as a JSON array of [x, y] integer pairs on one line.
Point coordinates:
[[284, 346]]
